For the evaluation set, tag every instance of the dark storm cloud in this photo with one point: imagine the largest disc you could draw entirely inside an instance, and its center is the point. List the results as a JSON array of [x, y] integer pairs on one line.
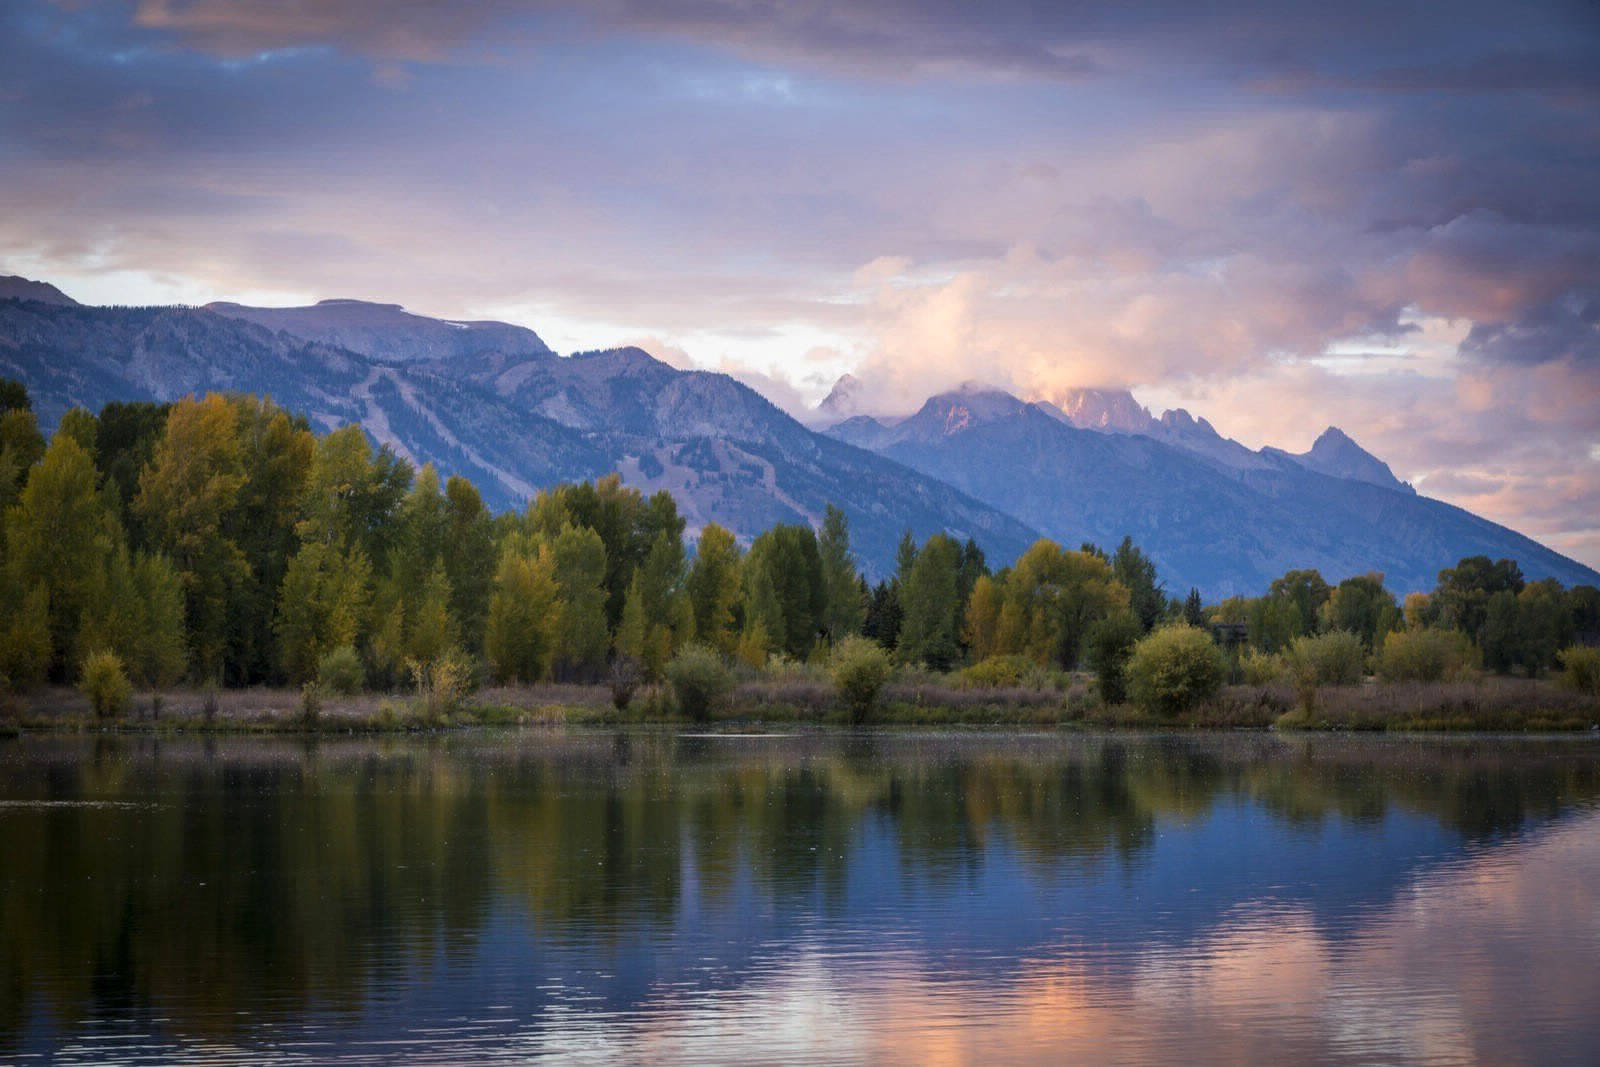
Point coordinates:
[[1370, 43], [1567, 328]]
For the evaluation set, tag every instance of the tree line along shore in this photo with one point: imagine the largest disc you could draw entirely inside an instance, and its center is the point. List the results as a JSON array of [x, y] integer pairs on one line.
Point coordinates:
[[214, 563]]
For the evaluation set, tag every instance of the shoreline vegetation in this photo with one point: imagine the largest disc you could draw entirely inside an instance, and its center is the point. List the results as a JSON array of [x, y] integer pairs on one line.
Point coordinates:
[[214, 565], [1491, 705]]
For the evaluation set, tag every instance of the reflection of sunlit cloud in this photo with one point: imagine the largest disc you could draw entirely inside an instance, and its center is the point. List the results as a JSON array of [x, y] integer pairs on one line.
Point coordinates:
[[1465, 961]]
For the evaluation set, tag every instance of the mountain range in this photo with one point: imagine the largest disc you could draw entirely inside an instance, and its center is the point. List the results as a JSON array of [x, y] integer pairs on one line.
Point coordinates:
[[1211, 512], [491, 401]]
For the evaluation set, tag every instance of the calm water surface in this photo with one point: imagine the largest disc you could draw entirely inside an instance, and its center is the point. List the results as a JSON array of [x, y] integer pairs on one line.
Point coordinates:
[[919, 898]]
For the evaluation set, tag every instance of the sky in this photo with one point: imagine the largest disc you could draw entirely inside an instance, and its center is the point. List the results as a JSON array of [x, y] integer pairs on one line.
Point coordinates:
[[1380, 215]]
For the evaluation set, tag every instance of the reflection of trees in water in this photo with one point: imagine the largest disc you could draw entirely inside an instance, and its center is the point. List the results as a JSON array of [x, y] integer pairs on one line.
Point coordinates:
[[270, 877], [1480, 788], [250, 884]]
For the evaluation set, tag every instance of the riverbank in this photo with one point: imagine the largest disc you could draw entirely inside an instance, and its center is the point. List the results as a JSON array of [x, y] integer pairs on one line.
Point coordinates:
[[1489, 705]]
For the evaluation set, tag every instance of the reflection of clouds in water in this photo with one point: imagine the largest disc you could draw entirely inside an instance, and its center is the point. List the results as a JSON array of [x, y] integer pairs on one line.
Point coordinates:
[[1477, 961]]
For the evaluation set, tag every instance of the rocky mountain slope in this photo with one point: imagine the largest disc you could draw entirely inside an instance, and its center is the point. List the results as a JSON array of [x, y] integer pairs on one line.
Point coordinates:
[[492, 402], [513, 419], [14, 288], [1211, 513]]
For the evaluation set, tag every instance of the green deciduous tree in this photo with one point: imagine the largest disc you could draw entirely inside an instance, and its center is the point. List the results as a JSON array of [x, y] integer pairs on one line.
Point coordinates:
[[627, 523], [1426, 655], [1052, 598], [275, 451], [1462, 595], [21, 444], [1172, 669], [793, 567], [80, 425], [59, 538], [1497, 633], [352, 494], [1109, 644], [159, 650], [124, 446], [580, 574], [1544, 626], [186, 495], [25, 646], [713, 588], [470, 559], [860, 668], [1274, 622], [524, 618], [700, 681], [982, 625], [431, 630], [1308, 592], [761, 612], [1362, 606], [931, 598], [324, 604]]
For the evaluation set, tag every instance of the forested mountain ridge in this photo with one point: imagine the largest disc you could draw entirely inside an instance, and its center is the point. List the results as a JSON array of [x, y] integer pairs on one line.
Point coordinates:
[[1210, 518], [513, 421]]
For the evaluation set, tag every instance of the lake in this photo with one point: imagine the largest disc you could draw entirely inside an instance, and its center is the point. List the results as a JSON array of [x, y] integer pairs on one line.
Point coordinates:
[[655, 896]]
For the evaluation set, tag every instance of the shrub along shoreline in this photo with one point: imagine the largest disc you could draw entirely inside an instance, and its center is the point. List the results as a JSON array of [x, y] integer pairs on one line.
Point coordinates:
[[1498, 705]]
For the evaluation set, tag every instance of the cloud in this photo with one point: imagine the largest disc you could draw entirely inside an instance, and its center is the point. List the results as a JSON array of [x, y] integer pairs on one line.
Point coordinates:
[[1566, 329], [1295, 46], [1197, 202], [425, 31]]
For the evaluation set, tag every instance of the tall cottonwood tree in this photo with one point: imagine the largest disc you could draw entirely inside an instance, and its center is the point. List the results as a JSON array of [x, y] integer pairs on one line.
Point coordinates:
[[713, 588], [525, 613], [793, 567], [136, 612], [931, 597], [276, 451], [59, 539], [981, 628], [580, 573], [1052, 598], [661, 598], [186, 497], [324, 603], [470, 561]]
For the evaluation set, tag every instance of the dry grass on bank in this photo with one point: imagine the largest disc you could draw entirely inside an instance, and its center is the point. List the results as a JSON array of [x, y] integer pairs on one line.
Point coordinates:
[[1488, 704]]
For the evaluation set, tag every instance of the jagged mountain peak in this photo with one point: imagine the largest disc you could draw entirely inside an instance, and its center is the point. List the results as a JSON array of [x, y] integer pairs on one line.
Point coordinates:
[[1333, 438], [1180, 420], [513, 424], [16, 287], [843, 400], [969, 404], [1337, 455], [1102, 409]]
